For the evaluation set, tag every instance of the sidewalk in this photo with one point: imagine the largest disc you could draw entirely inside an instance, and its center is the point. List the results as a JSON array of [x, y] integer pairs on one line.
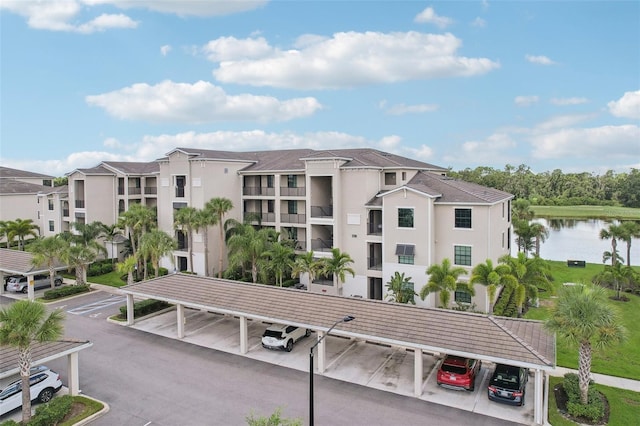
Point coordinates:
[[612, 381]]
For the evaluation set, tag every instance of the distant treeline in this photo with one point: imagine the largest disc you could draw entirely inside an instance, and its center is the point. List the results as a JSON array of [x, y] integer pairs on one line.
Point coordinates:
[[559, 189]]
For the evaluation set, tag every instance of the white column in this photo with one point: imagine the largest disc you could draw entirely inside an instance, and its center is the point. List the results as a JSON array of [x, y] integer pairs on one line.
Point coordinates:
[[30, 288], [181, 320], [417, 372], [244, 343], [538, 403], [321, 353], [73, 375], [130, 319], [1, 282]]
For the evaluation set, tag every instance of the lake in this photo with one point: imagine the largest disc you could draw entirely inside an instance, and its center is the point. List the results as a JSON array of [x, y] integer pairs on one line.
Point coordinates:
[[579, 239]]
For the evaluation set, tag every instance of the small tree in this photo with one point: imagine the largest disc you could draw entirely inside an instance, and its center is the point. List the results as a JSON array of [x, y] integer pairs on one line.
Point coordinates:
[[305, 264], [21, 324], [47, 251], [337, 266], [583, 316], [274, 419], [127, 266], [401, 289], [442, 279]]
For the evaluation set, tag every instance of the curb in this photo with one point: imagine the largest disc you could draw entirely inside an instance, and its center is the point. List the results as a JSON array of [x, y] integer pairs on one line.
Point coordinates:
[[87, 420]]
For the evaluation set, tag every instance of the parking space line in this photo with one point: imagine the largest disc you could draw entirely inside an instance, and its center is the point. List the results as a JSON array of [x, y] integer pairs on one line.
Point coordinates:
[[85, 309]]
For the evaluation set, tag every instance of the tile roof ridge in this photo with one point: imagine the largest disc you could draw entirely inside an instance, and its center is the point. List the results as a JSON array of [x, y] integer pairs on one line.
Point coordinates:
[[518, 339]]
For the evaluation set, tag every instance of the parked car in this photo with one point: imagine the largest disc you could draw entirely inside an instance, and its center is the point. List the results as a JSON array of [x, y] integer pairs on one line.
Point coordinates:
[[508, 384], [44, 384], [458, 373], [6, 280], [279, 336], [19, 284]]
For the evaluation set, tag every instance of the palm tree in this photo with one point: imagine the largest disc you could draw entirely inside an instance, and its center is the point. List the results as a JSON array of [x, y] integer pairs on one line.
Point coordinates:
[[442, 279], [206, 219], [490, 277], [337, 266], [127, 266], [305, 264], [246, 246], [401, 289], [21, 228], [279, 259], [219, 207], [110, 232], [613, 232], [137, 220], [540, 234], [79, 257], [154, 245], [628, 231], [582, 315], [47, 251], [187, 219], [21, 324], [4, 231], [531, 272]]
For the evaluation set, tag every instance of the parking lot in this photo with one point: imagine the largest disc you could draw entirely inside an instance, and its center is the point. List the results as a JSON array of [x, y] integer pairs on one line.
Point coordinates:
[[367, 364]]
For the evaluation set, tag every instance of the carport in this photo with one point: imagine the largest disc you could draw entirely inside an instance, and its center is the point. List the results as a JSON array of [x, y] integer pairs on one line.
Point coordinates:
[[17, 262], [42, 353], [434, 331]]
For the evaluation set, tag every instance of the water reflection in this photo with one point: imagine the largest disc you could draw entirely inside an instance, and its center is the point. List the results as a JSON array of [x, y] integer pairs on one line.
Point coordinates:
[[579, 239]]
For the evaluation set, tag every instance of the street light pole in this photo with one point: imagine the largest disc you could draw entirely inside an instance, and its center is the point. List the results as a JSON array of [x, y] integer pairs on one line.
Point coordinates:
[[345, 319]]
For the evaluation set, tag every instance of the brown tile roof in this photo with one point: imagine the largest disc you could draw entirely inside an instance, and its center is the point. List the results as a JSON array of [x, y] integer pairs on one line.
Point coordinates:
[[368, 157], [455, 191], [40, 353], [133, 168], [7, 172], [436, 330], [16, 187], [19, 262]]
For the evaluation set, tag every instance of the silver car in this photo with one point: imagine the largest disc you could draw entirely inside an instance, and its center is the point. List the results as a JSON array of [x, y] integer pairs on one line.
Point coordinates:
[[19, 284]]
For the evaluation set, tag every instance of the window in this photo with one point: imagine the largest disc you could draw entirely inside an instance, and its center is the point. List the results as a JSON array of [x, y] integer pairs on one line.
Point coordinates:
[[462, 296], [270, 206], [180, 182], [292, 181], [269, 181], [390, 178], [404, 176], [51, 226], [405, 218], [292, 207], [50, 204], [405, 253], [463, 218], [462, 255]]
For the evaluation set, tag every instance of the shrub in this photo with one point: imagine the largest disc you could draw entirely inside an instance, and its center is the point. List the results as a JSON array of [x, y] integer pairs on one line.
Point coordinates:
[[106, 268], [593, 410], [52, 412], [65, 291], [94, 271], [144, 307]]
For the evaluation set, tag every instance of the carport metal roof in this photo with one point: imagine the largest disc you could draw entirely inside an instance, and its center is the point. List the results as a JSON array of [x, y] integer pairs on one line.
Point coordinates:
[[40, 353], [19, 262], [497, 339]]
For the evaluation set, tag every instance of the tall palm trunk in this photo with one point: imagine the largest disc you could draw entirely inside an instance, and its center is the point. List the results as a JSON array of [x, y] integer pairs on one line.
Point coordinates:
[[584, 370], [24, 361], [220, 248]]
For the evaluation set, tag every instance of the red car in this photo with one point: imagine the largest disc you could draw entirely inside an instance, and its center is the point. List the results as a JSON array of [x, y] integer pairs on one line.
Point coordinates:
[[458, 372]]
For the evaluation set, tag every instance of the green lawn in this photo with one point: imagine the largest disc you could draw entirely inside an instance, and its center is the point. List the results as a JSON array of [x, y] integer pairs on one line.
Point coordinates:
[[622, 360], [587, 212], [112, 279]]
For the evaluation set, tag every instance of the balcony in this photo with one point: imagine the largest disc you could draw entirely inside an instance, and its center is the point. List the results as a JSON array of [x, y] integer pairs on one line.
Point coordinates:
[[374, 229], [322, 211], [150, 190], [374, 263], [258, 191], [135, 191], [318, 244], [292, 192], [293, 218]]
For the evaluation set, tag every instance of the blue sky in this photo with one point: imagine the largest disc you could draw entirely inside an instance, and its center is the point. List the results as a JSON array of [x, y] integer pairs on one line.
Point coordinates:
[[554, 85]]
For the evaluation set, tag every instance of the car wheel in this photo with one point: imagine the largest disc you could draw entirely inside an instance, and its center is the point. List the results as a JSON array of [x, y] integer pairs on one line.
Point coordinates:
[[289, 345], [58, 283], [45, 395], [307, 333], [25, 290]]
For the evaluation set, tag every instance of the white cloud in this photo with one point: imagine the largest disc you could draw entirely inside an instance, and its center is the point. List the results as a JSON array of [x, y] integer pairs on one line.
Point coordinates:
[[429, 16], [568, 101], [479, 23], [105, 22], [164, 50], [112, 143], [201, 102], [628, 106], [186, 7], [496, 149], [604, 143], [525, 101], [231, 49], [561, 122], [351, 59], [540, 60], [402, 109]]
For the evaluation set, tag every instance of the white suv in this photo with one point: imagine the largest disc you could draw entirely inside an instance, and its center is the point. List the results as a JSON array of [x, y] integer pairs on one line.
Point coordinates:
[[19, 284], [44, 383], [280, 336]]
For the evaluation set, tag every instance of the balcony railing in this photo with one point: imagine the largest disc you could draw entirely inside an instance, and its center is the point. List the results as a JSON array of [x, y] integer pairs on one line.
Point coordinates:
[[321, 211], [301, 245], [120, 190], [135, 191], [79, 204], [318, 244], [293, 218], [293, 192], [375, 229], [258, 190], [150, 190], [375, 263], [264, 217]]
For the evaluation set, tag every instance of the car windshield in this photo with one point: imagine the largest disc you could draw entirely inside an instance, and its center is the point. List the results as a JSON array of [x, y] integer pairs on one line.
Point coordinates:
[[506, 379], [456, 369], [273, 333]]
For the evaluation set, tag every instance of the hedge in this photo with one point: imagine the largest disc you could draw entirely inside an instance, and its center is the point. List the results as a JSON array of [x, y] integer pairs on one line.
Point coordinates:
[[65, 291], [144, 307], [52, 412], [593, 410]]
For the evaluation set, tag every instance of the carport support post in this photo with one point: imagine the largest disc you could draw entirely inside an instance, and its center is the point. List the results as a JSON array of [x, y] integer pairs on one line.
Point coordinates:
[[130, 313], [243, 335], [180, 313], [72, 368], [321, 352], [537, 409], [417, 372], [30, 287]]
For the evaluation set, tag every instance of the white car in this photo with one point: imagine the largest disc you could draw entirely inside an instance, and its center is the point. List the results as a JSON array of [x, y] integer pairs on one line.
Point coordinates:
[[280, 336], [44, 384]]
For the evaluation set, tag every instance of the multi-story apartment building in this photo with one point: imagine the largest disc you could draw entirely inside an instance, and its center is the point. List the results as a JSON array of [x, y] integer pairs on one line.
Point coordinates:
[[20, 197], [388, 212]]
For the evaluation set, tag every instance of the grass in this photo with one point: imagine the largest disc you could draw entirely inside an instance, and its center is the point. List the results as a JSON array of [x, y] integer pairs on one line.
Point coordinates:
[[90, 407], [624, 405], [111, 279], [621, 360], [587, 212]]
